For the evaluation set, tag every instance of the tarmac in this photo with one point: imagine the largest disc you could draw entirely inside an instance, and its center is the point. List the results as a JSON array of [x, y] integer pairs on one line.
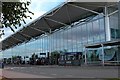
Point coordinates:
[[59, 72], [13, 74]]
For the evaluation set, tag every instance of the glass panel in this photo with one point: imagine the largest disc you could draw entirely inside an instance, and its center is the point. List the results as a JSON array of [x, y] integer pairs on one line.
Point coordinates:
[[90, 31], [84, 34], [96, 31], [102, 30], [115, 30]]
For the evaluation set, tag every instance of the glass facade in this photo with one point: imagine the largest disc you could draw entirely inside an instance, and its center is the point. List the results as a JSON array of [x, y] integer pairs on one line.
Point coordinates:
[[71, 39], [111, 53]]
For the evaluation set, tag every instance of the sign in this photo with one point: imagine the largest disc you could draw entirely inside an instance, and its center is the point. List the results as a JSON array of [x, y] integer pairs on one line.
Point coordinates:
[[42, 53]]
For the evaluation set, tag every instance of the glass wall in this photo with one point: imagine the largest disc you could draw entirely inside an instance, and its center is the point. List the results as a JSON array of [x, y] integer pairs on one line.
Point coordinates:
[[71, 39]]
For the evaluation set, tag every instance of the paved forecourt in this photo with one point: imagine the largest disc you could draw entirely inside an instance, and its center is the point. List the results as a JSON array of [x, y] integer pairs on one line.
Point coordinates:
[[62, 72]]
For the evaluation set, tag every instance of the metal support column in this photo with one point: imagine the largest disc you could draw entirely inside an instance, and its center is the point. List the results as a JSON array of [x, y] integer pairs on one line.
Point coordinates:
[[103, 60], [85, 56], [119, 29], [119, 14], [107, 25]]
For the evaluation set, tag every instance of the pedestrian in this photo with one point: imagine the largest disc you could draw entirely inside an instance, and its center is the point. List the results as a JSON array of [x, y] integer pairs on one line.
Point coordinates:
[[2, 65]]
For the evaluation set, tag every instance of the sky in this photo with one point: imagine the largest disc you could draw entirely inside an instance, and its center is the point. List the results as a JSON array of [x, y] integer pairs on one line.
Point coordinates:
[[38, 7]]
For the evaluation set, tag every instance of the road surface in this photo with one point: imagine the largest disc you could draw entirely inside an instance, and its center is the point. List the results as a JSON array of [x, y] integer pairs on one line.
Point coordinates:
[[65, 71]]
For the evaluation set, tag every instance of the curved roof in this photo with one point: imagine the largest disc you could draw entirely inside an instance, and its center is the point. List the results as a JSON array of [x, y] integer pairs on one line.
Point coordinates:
[[61, 16]]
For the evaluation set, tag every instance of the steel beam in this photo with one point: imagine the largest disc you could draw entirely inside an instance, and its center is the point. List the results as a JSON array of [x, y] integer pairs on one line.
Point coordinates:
[[56, 21], [16, 39], [113, 13], [85, 9], [25, 35], [60, 6], [68, 15], [54, 12], [48, 24], [38, 30]]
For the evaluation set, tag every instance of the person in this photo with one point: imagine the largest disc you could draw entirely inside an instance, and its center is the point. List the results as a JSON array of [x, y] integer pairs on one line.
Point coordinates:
[[80, 60], [2, 65]]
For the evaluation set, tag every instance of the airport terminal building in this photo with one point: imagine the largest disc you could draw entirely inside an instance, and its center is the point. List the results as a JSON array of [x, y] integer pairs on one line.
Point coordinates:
[[90, 29]]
